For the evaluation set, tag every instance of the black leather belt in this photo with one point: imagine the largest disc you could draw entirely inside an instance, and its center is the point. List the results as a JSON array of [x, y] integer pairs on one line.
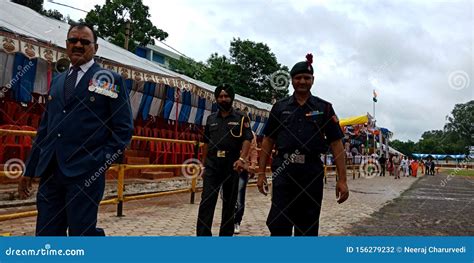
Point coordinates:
[[300, 158], [223, 154]]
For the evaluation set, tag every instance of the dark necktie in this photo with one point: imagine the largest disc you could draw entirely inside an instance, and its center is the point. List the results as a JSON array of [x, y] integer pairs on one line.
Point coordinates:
[[70, 83]]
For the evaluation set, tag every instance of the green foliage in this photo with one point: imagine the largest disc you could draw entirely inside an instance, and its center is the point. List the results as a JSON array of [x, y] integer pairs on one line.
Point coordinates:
[[248, 70], [111, 19], [54, 14], [37, 5], [456, 137]]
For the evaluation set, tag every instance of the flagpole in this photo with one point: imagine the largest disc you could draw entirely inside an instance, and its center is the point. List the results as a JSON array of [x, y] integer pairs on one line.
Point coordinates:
[[373, 105]]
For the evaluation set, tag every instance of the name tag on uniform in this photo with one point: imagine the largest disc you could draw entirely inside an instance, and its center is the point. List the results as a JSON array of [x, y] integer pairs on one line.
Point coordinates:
[[221, 154], [233, 123], [297, 158], [104, 88]]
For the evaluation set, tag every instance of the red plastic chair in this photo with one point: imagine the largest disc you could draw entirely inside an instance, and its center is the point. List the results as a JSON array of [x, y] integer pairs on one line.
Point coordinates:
[[11, 109], [26, 141], [10, 146], [137, 131], [145, 145]]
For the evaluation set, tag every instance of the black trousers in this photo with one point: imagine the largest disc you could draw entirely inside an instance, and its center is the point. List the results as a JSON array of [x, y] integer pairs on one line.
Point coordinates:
[[219, 173], [296, 201], [68, 205]]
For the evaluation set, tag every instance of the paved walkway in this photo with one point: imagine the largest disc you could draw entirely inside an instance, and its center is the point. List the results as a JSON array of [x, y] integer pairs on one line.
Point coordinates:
[[174, 216]]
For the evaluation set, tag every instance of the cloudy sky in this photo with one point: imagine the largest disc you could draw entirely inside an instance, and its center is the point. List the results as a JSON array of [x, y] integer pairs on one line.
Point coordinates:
[[417, 55]]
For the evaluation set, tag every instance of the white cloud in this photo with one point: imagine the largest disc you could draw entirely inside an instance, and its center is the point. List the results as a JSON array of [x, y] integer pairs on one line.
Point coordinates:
[[404, 49]]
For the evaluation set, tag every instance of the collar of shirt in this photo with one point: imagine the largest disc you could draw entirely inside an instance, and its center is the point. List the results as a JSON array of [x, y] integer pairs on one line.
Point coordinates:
[[84, 68], [231, 113], [311, 101]]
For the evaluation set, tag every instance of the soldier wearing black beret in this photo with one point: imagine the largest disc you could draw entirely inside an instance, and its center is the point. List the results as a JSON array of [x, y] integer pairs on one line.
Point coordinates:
[[301, 127]]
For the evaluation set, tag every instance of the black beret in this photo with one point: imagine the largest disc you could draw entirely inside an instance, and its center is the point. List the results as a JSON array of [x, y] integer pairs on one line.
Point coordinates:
[[303, 66], [227, 88]]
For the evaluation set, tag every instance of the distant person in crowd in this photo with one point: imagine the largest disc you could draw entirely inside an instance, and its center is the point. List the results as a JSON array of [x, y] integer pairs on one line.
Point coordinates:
[[382, 161], [244, 177], [414, 168], [390, 167], [396, 160]]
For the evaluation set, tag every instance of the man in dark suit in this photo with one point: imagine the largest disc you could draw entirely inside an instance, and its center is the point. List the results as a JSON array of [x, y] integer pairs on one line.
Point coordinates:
[[85, 127]]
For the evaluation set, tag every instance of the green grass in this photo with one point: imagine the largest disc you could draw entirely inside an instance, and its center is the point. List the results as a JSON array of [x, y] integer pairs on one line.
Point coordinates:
[[461, 172]]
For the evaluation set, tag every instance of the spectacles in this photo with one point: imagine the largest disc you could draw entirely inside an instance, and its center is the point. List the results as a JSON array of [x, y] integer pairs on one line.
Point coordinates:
[[74, 40]]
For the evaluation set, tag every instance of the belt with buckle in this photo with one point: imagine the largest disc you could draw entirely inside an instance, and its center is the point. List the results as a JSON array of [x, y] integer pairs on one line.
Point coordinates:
[[299, 158], [220, 154]]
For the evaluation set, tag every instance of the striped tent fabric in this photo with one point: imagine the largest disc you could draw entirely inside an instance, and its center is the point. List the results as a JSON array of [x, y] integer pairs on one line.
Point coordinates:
[[135, 100], [41, 80], [177, 105], [186, 106], [169, 101], [6, 68], [200, 111], [23, 77], [148, 92]]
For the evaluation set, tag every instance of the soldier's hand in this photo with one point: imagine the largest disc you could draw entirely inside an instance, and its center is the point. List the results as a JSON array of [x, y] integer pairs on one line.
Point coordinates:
[[24, 187], [262, 183], [239, 166], [342, 191]]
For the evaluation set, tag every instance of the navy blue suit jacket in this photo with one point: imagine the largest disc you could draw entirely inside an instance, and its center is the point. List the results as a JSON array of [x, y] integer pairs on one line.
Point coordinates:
[[83, 131]]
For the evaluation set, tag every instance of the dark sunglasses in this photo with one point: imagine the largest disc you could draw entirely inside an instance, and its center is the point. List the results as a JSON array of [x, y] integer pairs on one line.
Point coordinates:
[[74, 40]]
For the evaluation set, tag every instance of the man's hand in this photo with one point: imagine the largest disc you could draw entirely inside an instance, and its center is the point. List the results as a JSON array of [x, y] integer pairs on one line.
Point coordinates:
[[342, 191], [239, 166], [262, 182], [24, 187]]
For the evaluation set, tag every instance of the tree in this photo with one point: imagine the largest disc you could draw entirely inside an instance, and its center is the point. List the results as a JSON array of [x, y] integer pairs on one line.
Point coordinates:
[[36, 5], [248, 69], [430, 142], [406, 148], [460, 123], [111, 19], [220, 70], [188, 67], [54, 14], [254, 66]]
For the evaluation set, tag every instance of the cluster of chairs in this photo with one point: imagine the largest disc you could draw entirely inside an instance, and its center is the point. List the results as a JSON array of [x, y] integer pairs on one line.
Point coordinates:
[[164, 152], [13, 113], [15, 146], [13, 116]]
